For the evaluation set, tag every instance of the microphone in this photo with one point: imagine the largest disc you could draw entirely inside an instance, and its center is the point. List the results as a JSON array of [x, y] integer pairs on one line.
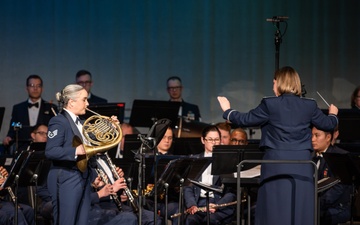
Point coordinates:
[[278, 19]]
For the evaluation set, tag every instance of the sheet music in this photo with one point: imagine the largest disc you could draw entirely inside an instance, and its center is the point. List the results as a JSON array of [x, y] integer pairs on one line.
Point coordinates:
[[8, 161], [250, 173]]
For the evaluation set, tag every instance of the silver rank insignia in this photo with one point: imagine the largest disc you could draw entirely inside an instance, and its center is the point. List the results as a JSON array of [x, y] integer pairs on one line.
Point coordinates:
[[52, 134]]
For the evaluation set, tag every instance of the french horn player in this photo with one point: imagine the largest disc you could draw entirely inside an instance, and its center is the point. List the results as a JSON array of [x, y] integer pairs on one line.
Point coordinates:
[[70, 148]]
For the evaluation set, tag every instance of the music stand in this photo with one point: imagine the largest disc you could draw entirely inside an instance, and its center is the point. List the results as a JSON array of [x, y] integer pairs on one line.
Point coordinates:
[[2, 113], [178, 171], [227, 157], [35, 172], [207, 188], [180, 168], [145, 112], [107, 109], [13, 179], [37, 146], [349, 121], [346, 168], [187, 146], [149, 142]]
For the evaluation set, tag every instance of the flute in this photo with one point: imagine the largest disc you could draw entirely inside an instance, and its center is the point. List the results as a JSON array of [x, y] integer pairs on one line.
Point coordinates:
[[203, 209]]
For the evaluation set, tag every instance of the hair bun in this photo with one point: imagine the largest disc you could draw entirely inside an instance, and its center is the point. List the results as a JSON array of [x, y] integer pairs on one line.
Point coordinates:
[[59, 97]]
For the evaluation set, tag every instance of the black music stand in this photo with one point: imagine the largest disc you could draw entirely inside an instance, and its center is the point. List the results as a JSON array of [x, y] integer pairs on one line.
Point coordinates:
[[176, 174], [35, 171], [2, 113], [346, 167], [149, 143], [13, 179], [145, 112], [207, 188], [106, 109], [227, 157]]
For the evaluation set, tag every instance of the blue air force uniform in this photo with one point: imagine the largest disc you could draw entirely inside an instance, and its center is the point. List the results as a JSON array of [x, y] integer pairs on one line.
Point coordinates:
[[68, 186], [285, 135]]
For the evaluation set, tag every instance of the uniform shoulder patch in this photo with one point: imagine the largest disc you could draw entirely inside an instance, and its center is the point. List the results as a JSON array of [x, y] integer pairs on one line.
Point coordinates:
[[52, 134]]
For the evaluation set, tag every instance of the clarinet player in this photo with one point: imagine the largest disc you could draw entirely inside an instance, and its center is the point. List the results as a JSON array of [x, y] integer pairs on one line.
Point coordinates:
[[113, 175]]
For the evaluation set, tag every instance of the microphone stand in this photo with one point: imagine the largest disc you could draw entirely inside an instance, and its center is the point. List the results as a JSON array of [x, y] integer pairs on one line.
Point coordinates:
[[278, 40], [140, 188], [278, 36], [17, 126], [141, 171], [16, 216]]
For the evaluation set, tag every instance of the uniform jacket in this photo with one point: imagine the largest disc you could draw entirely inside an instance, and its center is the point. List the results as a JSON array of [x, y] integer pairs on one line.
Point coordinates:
[[68, 186], [61, 133], [190, 108], [339, 193], [20, 114], [192, 192], [285, 121]]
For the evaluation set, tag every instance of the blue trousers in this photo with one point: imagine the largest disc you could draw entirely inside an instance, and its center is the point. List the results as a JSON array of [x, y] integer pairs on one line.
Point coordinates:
[[7, 213]]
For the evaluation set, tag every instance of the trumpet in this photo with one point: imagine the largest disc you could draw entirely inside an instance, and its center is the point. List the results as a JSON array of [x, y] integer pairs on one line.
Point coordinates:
[[203, 209], [9, 190], [127, 191], [102, 133]]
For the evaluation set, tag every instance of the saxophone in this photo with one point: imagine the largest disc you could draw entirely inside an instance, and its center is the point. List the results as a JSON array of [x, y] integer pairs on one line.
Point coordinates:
[[9, 190], [127, 191], [105, 179]]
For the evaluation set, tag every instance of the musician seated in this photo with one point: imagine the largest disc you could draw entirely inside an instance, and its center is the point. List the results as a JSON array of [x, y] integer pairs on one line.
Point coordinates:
[[7, 210], [163, 148], [195, 197], [238, 137], [105, 208], [225, 130], [334, 202], [100, 213]]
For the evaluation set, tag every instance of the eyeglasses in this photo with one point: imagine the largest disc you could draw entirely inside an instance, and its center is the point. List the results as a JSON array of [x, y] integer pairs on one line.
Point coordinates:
[[84, 83], [42, 133], [238, 141], [216, 140], [174, 88], [35, 85]]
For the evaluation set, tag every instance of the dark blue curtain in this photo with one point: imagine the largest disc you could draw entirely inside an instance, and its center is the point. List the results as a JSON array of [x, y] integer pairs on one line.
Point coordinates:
[[216, 47]]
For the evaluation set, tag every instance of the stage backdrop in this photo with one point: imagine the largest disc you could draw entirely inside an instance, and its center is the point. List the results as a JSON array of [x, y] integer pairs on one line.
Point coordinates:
[[216, 47]]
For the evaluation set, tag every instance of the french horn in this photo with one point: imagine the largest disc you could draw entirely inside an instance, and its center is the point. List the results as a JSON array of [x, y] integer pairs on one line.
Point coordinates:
[[101, 133]]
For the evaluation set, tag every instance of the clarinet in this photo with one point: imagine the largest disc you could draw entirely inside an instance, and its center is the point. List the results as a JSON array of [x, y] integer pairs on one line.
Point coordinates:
[[126, 190], [105, 179], [9, 190]]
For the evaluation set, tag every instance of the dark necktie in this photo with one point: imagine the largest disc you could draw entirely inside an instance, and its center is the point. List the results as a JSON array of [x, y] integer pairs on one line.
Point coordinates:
[[316, 159], [33, 104], [77, 121], [321, 169]]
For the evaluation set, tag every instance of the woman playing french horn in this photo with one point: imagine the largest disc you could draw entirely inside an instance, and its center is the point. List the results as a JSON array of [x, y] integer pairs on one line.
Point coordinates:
[[68, 184]]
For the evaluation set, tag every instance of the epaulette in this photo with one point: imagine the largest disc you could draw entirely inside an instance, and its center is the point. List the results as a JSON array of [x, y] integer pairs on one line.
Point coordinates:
[[308, 98], [270, 97]]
